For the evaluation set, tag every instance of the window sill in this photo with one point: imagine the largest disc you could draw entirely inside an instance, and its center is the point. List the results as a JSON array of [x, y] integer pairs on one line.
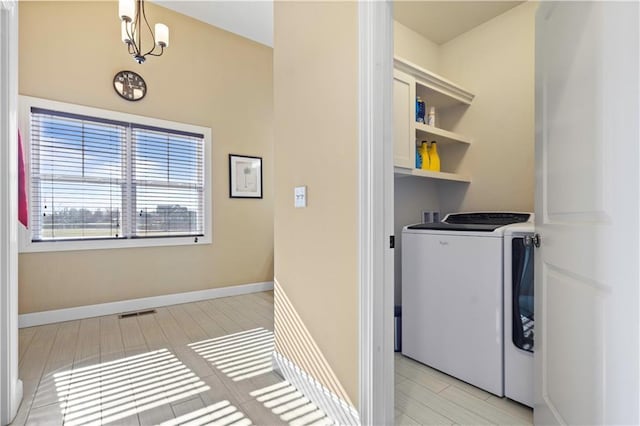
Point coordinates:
[[80, 245]]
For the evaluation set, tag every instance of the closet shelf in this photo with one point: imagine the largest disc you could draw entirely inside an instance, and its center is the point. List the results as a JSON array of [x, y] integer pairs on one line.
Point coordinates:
[[455, 177], [438, 90], [441, 135]]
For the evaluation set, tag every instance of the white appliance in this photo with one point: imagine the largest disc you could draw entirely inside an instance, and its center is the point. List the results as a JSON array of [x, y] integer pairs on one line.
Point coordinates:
[[518, 313], [452, 295]]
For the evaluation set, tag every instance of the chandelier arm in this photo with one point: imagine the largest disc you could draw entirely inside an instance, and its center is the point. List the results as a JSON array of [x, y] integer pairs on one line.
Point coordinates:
[[156, 54], [137, 44], [153, 37], [132, 47]]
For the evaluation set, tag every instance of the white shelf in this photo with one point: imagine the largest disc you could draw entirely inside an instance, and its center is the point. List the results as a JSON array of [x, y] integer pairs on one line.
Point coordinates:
[[410, 81], [440, 135], [436, 90], [455, 177]]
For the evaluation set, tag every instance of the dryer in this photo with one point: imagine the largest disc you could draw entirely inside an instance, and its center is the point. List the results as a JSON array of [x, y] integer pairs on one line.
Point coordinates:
[[452, 295], [518, 313]]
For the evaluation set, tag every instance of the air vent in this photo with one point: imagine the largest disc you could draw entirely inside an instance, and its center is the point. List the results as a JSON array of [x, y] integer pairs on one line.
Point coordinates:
[[136, 314]]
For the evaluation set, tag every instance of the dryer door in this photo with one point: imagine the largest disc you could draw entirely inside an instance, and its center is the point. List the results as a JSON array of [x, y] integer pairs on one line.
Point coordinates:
[[522, 294]]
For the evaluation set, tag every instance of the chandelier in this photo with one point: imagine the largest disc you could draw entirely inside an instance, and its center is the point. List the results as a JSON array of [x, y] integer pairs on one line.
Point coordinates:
[[134, 23]]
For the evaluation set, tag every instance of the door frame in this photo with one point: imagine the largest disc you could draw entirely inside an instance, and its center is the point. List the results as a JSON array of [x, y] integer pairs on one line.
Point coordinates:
[[10, 385], [375, 257]]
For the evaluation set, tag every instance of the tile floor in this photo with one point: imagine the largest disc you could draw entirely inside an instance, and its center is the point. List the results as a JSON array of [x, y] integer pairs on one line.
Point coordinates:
[[206, 363], [198, 363], [425, 396]]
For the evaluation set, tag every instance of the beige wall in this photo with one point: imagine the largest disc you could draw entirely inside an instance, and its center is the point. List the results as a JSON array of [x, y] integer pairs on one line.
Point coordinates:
[[70, 52], [496, 62], [316, 90], [415, 48]]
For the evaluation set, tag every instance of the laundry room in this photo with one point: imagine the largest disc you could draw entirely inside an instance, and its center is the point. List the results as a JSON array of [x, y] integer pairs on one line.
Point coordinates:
[[463, 142]]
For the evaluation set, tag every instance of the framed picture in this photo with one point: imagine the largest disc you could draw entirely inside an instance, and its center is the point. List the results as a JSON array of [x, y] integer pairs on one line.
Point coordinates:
[[245, 176]]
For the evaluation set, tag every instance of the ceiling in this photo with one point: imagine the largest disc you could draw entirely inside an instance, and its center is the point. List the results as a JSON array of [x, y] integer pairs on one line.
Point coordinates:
[[441, 21], [250, 19]]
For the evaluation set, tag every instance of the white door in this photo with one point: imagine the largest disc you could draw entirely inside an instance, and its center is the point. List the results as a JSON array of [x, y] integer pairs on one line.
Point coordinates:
[[587, 159]]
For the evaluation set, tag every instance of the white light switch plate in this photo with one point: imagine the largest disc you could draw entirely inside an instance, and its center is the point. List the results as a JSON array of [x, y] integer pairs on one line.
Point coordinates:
[[300, 196]]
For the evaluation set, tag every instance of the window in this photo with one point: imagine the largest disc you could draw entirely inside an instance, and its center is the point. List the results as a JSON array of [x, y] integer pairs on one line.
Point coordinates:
[[103, 179]]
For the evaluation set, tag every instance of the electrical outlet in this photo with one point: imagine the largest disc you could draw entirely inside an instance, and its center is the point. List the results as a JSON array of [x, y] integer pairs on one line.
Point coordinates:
[[300, 197]]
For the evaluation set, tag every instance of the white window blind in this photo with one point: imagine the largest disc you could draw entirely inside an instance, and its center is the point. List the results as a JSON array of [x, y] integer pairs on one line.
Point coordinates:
[[93, 178], [167, 182]]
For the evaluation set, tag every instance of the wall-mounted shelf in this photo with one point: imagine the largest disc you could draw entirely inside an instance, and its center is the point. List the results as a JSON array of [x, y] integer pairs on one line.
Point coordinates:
[[441, 92], [410, 82], [455, 177], [440, 135]]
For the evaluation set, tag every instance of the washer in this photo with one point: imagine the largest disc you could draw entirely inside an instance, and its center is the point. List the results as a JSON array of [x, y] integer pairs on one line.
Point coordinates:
[[518, 313], [452, 295]]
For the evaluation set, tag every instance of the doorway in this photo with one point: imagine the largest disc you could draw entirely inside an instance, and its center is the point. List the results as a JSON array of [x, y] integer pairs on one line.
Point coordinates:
[[474, 81]]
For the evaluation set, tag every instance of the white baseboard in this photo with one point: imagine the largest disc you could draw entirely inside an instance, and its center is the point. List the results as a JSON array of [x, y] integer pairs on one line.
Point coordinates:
[[341, 412], [88, 311], [16, 399]]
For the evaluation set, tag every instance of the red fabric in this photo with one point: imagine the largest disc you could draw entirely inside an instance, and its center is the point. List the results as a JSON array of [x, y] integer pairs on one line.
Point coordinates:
[[23, 212]]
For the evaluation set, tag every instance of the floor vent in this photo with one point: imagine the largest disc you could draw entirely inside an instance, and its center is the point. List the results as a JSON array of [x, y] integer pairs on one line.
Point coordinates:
[[136, 314]]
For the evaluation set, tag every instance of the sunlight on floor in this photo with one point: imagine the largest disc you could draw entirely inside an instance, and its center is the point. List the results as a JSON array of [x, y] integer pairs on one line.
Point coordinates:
[[240, 356], [220, 414], [106, 392], [285, 401]]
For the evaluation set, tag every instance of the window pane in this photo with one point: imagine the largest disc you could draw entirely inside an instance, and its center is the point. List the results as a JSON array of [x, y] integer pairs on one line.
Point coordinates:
[[76, 177], [95, 178], [160, 212], [169, 188], [72, 210]]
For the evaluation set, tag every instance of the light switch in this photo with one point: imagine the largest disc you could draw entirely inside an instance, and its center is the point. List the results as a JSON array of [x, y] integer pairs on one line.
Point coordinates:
[[300, 196]]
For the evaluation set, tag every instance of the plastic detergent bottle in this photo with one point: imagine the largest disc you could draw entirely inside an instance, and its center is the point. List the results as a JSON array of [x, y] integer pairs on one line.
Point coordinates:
[[434, 158], [420, 110], [431, 118], [424, 154], [418, 157]]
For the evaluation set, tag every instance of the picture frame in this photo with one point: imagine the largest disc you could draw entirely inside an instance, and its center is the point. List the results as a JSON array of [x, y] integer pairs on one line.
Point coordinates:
[[245, 176]]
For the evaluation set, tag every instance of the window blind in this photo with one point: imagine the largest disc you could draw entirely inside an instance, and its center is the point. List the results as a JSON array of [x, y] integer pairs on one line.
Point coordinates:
[[77, 176], [93, 178], [168, 182]]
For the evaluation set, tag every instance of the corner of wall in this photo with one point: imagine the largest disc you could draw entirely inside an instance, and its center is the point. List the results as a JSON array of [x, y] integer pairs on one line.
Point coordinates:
[[416, 48]]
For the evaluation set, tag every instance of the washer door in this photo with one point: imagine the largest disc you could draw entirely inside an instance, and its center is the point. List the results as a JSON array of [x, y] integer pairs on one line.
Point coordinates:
[[522, 295]]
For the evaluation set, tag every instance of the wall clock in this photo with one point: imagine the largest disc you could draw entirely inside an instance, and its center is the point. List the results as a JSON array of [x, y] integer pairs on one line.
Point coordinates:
[[129, 85]]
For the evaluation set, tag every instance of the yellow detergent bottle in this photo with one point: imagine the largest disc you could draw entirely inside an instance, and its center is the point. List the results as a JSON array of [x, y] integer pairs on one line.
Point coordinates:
[[424, 153], [434, 158]]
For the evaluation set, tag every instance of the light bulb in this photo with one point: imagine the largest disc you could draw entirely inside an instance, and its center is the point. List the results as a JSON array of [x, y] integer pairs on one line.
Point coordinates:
[[127, 9], [162, 35]]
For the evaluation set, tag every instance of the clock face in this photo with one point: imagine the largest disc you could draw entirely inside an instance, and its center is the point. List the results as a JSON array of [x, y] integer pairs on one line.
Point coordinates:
[[129, 85]]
